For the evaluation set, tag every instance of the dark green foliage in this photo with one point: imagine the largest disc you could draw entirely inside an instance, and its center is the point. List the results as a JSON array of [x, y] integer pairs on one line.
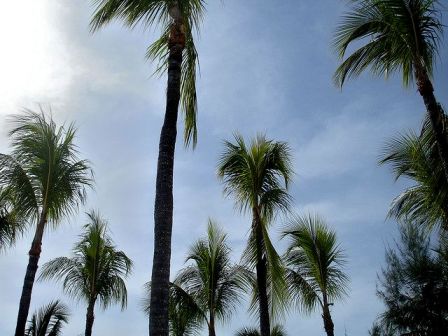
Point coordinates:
[[415, 157], [277, 330], [12, 225], [49, 320], [414, 286]]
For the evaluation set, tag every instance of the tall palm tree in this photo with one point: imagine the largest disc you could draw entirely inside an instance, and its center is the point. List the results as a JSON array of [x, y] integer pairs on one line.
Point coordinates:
[[416, 157], [257, 176], [176, 52], [277, 330], [48, 182], [95, 271], [396, 35], [49, 320], [315, 261], [209, 289], [11, 225]]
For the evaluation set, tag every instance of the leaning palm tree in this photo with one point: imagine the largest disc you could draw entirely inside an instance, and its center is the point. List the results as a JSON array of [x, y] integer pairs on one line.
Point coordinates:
[[176, 52], [277, 330], [210, 288], [416, 157], [257, 176], [399, 35], [96, 271], [49, 320], [11, 224], [315, 261], [48, 182]]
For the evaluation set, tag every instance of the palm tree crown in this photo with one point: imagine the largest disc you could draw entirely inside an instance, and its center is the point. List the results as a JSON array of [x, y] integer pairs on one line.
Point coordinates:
[[166, 13], [314, 262], [96, 270], [48, 321], [396, 34]]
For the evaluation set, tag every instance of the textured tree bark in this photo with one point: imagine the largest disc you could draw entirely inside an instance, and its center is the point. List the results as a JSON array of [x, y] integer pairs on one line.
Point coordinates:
[[436, 115], [163, 211], [30, 275], [328, 322], [261, 269], [90, 317]]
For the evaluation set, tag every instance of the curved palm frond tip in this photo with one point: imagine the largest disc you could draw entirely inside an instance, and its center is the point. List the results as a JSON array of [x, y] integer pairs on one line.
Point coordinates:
[[49, 320], [12, 226], [47, 182], [277, 330], [95, 272], [257, 176], [315, 266], [415, 157]]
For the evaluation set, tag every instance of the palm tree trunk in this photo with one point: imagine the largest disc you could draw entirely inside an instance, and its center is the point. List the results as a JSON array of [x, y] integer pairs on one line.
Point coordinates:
[[90, 317], [163, 212], [328, 322], [436, 115], [28, 282], [211, 325], [261, 269]]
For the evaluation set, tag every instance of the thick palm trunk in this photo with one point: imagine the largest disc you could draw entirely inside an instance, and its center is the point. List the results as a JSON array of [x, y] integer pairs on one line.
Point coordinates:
[[163, 212], [90, 317], [30, 275], [328, 322], [261, 269], [436, 115]]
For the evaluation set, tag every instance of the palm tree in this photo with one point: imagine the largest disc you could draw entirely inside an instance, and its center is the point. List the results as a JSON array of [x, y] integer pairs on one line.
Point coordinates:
[[415, 157], [315, 261], [48, 321], [396, 35], [277, 330], [209, 289], [11, 225], [176, 52], [213, 282], [258, 176], [48, 182], [96, 270]]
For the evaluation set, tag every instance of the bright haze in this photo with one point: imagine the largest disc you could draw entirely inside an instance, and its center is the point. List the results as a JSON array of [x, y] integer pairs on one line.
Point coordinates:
[[266, 66]]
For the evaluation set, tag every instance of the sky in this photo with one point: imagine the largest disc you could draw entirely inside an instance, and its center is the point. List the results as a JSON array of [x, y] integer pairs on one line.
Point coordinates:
[[265, 67]]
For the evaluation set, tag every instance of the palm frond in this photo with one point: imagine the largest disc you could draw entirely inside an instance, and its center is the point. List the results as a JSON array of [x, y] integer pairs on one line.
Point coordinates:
[[48, 321], [415, 157]]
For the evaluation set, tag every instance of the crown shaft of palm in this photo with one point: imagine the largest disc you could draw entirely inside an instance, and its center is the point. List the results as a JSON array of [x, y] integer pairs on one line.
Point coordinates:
[[398, 35]]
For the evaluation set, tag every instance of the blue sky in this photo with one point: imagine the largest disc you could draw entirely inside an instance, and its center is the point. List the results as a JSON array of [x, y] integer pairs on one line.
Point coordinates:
[[266, 66]]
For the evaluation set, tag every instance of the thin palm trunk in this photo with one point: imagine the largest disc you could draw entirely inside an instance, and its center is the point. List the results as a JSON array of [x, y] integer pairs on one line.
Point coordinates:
[[261, 269], [90, 317], [211, 324], [28, 282], [436, 116], [163, 212], [328, 322]]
